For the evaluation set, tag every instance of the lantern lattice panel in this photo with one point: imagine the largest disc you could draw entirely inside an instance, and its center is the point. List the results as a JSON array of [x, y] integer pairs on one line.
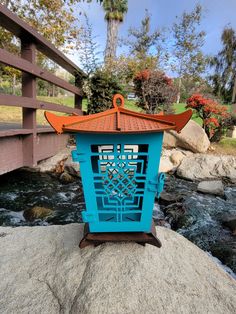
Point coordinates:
[[119, 179]]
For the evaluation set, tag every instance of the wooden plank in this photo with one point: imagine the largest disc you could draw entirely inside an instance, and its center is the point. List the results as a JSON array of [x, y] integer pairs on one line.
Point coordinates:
[[19, 28], [28, 54], [11, 154], [11, 149], [32, 69], [14, 132], [26, 102], [48, 144], [20, 132]]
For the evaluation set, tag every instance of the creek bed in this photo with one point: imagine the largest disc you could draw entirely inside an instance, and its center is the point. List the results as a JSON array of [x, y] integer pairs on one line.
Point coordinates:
[[196, 216]]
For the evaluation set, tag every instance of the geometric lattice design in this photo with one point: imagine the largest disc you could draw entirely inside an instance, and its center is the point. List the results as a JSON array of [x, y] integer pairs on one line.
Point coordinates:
[[119, 181]]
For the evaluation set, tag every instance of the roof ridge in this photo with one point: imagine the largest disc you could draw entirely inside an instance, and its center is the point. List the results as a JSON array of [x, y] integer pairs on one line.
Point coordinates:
[[145, 116], [92, 117]]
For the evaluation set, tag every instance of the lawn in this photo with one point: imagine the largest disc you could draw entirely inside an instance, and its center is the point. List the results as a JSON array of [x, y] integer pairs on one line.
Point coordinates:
[[226, 145], [13, 114]]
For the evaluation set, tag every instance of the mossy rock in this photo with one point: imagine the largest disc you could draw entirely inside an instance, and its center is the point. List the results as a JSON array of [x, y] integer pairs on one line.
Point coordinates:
[[37, 212]]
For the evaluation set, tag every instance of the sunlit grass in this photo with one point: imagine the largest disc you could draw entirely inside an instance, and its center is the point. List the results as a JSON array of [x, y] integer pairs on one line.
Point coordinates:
[[227, 145], [13, 114]]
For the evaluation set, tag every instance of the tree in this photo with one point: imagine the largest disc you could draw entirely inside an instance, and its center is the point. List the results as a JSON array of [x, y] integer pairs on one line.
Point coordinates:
[[155, 91], [88, 48], [103, 85], [214, 116], [145, 47], [188, 58], [224, 64], [114, 15], [55, 20]]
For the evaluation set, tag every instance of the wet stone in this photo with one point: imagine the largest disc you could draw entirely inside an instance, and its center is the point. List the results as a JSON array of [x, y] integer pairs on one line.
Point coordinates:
[[37, 212], [211, 187]]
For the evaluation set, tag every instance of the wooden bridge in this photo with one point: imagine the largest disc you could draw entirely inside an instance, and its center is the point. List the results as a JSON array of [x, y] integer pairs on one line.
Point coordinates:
[[26, 144]]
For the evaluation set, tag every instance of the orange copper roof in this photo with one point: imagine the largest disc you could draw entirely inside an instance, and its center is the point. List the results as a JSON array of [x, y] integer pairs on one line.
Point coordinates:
[[118, 120]]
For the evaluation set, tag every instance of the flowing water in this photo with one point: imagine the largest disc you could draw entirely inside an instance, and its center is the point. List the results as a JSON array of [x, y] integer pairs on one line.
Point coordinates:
[[196, 216]]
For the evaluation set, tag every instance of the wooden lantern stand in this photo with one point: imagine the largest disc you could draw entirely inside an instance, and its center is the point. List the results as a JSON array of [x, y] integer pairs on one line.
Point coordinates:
[[139, 237]]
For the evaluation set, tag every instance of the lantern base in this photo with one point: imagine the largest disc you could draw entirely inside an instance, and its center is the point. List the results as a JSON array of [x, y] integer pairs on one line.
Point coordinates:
[[139, 237]]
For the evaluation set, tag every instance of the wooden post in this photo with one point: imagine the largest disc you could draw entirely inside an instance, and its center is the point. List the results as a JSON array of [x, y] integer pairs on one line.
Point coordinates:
[[78, 99], [28, 52]]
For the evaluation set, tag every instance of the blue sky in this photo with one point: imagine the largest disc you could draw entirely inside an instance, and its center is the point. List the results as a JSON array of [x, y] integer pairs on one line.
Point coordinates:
[[216, 15]]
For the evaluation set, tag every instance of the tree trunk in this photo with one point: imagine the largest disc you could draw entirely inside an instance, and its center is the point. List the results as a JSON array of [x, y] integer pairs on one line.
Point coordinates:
[[234, 92], [112, 38], [179, 89]]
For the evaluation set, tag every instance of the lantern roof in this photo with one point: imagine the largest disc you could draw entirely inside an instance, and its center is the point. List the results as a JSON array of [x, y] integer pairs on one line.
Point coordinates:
[[119, 120]]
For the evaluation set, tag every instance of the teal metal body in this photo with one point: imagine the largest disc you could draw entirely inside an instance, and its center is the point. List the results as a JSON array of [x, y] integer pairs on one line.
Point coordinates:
[[120, 179]]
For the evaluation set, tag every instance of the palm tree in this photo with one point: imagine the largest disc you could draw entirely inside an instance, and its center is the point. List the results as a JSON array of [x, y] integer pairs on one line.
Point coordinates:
[[114, 15]]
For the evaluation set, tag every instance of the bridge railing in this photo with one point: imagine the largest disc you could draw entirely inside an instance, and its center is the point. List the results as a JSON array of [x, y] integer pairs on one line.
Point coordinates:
[[31, 41]]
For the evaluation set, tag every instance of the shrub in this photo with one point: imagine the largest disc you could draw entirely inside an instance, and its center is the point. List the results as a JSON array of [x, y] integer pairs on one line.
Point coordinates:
[[215, 118], [100, 88], [156, 91]]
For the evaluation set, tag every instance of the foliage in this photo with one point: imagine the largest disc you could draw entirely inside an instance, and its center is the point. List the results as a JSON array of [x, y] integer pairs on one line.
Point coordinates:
[[88, 48], [194, 85], [115, 9], [54, 20], [114, 15], [155, 91], [224, 64], [215, 117], [101, 87], [146, 49], [188, 40]]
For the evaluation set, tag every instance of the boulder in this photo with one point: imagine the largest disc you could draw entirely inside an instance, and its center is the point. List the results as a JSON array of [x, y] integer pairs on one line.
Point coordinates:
[[206, 166], [53, 275], [192, 137], [50, 164], [37, 212], [166, 165], [211, 187], [176, 157]]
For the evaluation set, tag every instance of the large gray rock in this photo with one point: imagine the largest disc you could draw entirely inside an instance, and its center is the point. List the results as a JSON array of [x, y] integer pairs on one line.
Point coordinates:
[[211, 187], [42, 270], [205, 166], [192, 137]]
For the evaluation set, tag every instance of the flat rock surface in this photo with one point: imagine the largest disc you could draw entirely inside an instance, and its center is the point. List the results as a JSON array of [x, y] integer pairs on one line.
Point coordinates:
[[42, 270]]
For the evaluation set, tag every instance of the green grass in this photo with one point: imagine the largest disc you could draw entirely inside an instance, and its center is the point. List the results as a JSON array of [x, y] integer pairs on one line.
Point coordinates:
[[181, 108], [228, 142], [13, 114], [227, 145]]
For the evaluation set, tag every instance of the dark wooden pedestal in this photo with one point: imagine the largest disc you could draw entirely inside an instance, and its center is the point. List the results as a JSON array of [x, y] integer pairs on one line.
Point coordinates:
[[138, 237]]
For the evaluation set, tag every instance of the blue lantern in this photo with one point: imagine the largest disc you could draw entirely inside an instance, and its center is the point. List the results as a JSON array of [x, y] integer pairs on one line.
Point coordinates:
[[119, 153]]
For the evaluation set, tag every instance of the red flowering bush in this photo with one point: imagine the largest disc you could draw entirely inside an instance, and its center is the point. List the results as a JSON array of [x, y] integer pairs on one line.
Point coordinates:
[[155, 91], [215, 118]]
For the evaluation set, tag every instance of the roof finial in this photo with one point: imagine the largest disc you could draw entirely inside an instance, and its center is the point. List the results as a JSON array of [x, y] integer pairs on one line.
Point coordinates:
[[115, 98]]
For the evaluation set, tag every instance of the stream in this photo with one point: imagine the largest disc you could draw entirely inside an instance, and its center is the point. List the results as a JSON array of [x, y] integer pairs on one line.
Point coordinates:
[[198, 217]]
